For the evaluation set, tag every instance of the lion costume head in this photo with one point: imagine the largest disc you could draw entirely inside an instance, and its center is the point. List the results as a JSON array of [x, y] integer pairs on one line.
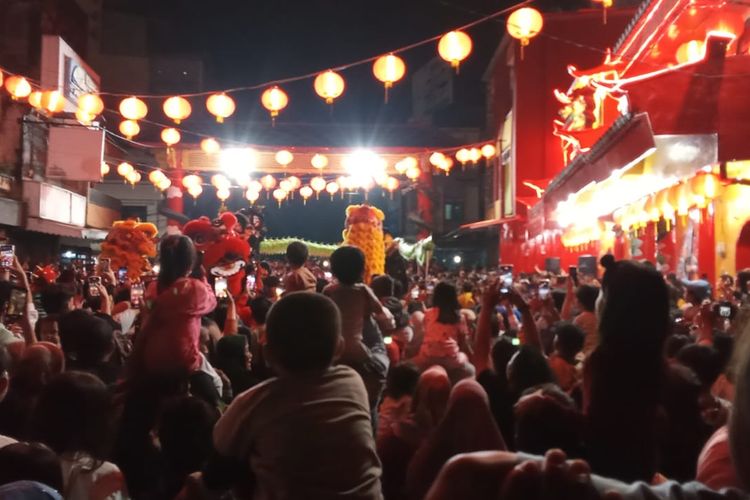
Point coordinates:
[[364, 229], [129, 245], [225, 253]]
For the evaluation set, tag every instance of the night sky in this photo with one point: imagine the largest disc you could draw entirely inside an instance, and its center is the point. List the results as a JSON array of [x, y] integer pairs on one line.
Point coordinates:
[[246, 42]]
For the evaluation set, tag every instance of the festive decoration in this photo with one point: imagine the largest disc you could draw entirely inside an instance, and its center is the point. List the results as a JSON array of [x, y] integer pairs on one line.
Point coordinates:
[[129, 128], [329, 85], [524, 24], [389, 69], [279, 195], [295, 181], [104, 169], [391, 184], [53, 101], [415, 251], [177, 108], [284, 158], [195, 190], [219, 181], [84, 118], [170, 136], [454, 47], [268, 182], [124, 168], [413, 173], [134, 177], [35, 99], [277, 246], [91, 104], [223, 194], [364, 229], [221, 106], [133, 108], [129, 245], [488, 151], [305, 192], [210, 146], [252, 196], [318, 184], [191, 180], [463, 155], [319, 161], [332, 188], [224, 250], [274, 100], [18, 87]]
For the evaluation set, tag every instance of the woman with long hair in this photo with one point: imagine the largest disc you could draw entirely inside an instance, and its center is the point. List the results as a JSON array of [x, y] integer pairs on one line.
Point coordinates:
[[624, 376], [446, 335]]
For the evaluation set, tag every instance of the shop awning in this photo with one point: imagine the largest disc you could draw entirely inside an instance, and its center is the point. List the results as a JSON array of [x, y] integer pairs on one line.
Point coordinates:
[[65, 230], [483, 224]]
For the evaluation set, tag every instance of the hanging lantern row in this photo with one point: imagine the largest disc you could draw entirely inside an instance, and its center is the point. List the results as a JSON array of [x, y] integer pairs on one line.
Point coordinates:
[[454, 47], [676, 201]]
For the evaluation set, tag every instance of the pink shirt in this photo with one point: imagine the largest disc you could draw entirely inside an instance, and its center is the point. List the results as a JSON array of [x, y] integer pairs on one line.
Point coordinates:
[[172, 332], [441, 339]]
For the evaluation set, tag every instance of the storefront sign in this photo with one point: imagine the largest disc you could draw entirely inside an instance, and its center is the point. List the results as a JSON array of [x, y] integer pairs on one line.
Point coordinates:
[[63, 69]]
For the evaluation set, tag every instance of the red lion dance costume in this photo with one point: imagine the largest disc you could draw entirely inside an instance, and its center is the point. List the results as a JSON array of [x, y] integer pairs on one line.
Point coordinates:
[[225, 252]]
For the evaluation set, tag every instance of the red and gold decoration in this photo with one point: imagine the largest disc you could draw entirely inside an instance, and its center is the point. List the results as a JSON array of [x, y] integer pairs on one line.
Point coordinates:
[[130, 244], [364, 229]]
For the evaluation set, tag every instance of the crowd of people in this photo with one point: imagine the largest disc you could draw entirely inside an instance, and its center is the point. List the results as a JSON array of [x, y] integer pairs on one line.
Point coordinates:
[[469, 384]]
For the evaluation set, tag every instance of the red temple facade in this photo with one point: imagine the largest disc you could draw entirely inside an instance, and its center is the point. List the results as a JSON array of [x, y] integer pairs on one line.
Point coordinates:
[[638, 150]]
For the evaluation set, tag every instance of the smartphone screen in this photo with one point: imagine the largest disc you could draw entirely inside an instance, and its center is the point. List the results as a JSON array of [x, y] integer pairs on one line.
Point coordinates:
[[515, 341], [136, 295], [415, 293], [573, 273], [94, 282], [16, 304], [7, 253], [122, 274], [725, 311], [250, 283], [105, 264], [220, 288], [327, 275], [543, 290]]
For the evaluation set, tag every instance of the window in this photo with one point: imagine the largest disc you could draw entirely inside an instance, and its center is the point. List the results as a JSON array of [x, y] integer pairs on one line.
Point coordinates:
[[453, 212]]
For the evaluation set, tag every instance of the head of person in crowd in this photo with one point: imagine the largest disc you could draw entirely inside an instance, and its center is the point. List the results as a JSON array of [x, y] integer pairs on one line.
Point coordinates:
[[703, 360], [674, 343], [48, 329], [39, 363], [502, 352], [569, 340], [383, 286], [74, 414], [30, 462], [260, 307], [58, 299], [303, 332], [586, 296], [177, 259], [528, 368], [234, 359], [185, 431], [445, 298], [348, 264], [296, 254], [402, 380], [547, 418]]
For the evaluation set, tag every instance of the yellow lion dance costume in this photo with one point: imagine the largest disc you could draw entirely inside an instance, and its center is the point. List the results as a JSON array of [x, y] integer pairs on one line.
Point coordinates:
[[364, 229], [129, 244]]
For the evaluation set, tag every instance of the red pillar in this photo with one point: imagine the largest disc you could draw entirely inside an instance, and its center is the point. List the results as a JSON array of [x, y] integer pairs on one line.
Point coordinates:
[[707, 246], [175, 192], [424, 202], [648, 246]]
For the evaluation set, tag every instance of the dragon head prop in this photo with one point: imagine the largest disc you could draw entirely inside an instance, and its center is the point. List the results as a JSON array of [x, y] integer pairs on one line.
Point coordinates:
[[129, 245], [364, 229], [225, 252]]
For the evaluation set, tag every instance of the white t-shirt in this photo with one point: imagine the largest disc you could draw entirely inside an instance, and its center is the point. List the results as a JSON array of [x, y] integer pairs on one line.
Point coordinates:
[[304, 437], [87, 479]]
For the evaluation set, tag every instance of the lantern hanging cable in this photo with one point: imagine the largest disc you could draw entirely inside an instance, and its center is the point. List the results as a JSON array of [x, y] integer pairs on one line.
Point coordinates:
[[342, 67]]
